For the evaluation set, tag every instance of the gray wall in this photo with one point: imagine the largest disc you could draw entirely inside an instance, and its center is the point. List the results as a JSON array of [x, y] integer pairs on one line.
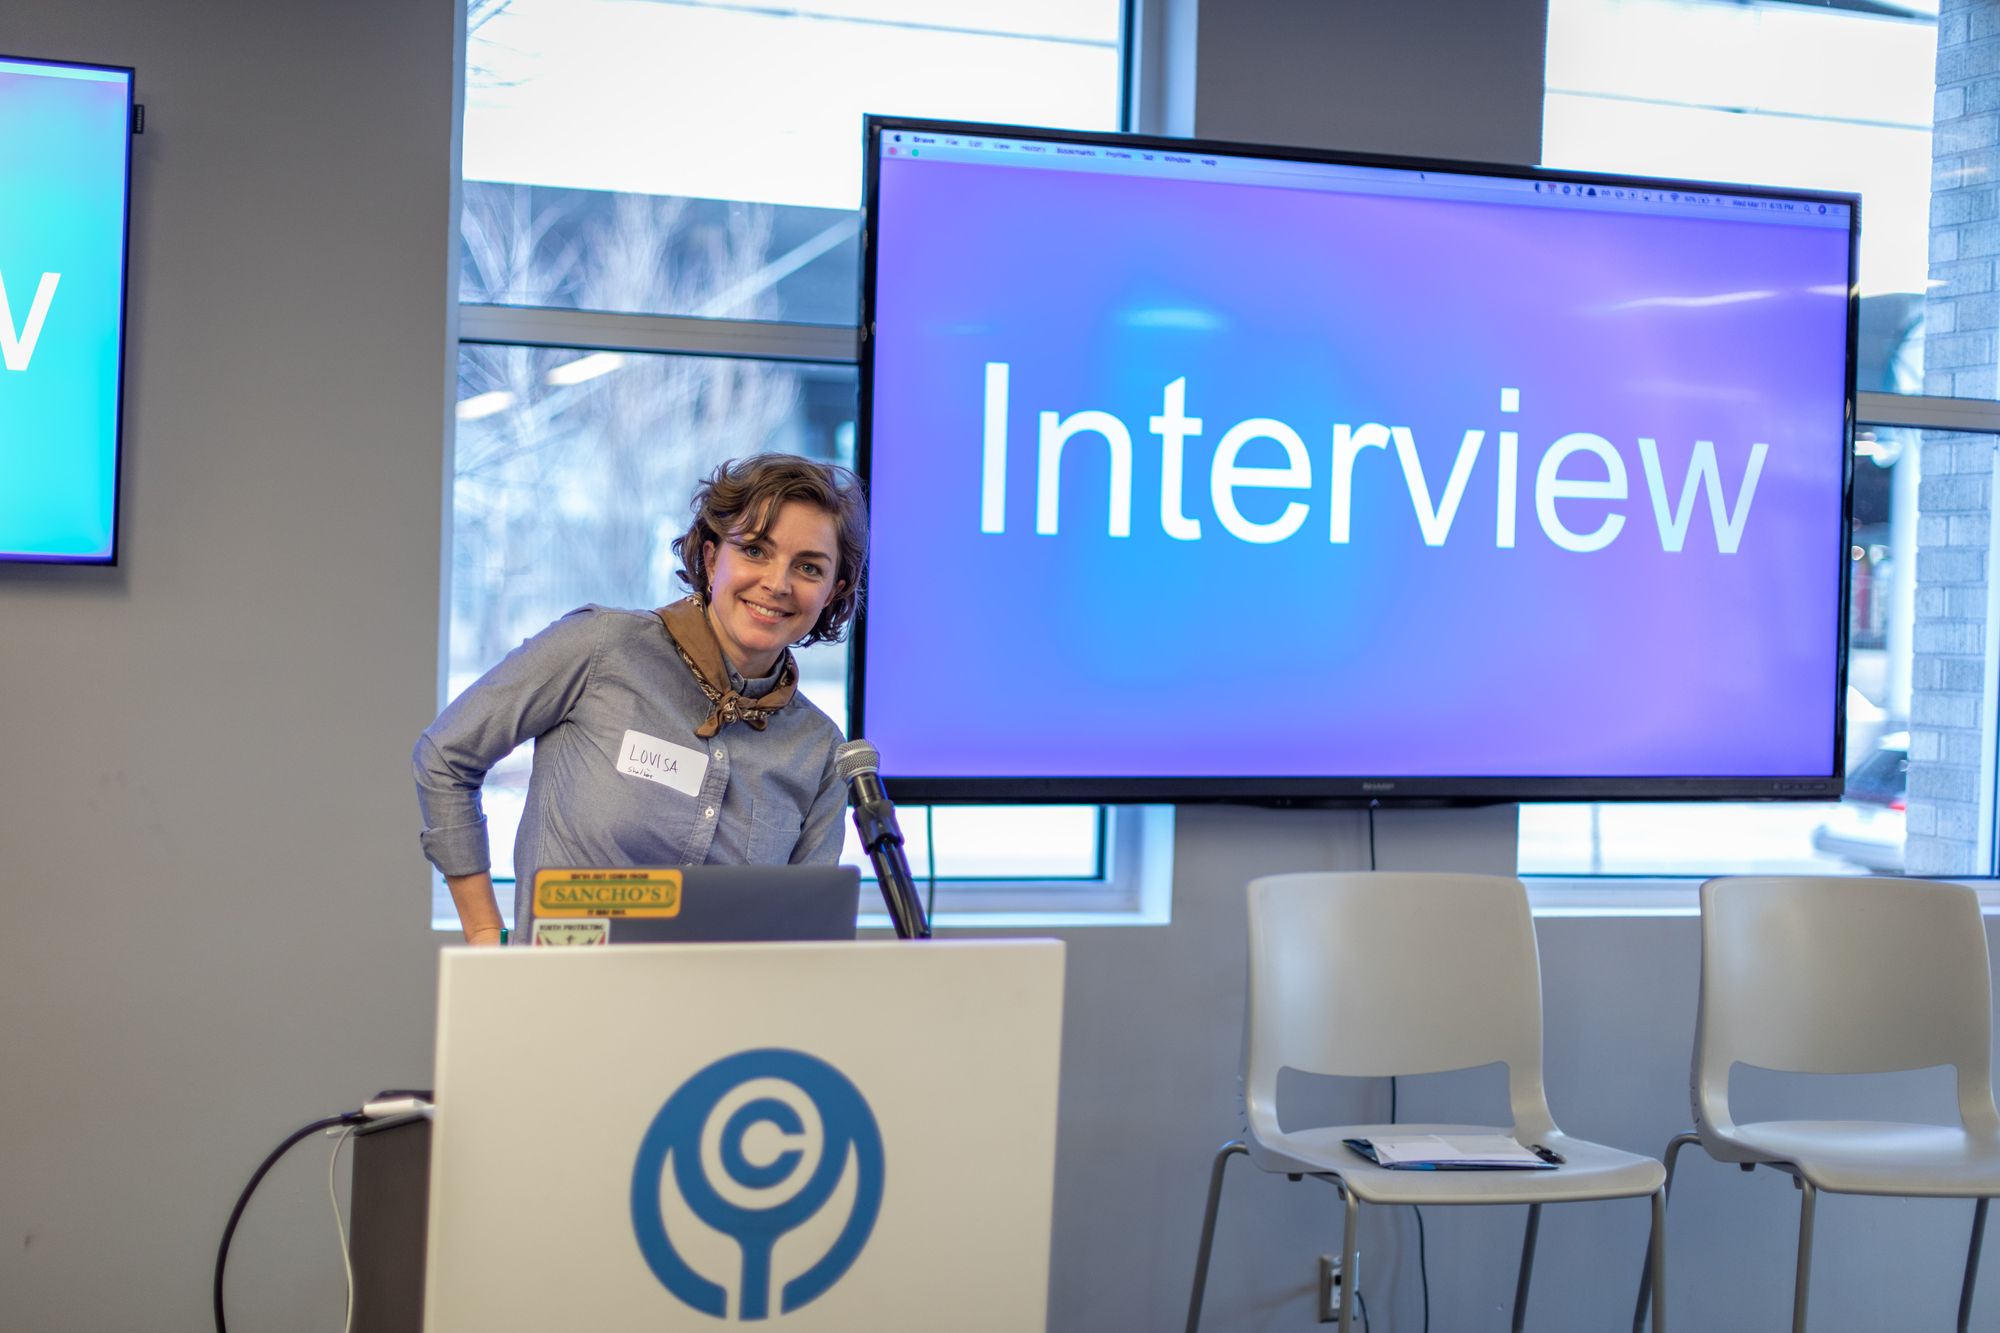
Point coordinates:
[[1434, 78], [214, 905]]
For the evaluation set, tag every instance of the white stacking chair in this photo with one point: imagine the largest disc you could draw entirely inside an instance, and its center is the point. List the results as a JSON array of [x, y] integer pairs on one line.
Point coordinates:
[[1384, 974], [1827, 975]]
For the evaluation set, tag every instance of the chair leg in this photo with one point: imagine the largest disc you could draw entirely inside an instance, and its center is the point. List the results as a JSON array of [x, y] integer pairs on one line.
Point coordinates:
[[1654, 1272], [1971, 1264], [1350, 1241], [1807, 1196], [1527, 1265], [1222, 1156], [1656, 1261]]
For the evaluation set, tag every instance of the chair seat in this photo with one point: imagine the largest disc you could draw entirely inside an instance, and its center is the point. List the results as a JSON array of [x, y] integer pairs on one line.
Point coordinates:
[[1590, 1170], [1873, 1157]]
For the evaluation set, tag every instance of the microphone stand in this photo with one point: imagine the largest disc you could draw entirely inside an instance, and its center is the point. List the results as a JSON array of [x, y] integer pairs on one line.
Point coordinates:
[[882, 837]]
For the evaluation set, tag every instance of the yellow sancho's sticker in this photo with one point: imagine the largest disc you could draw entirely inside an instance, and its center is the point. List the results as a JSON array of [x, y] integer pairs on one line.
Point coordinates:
[[607, 893]]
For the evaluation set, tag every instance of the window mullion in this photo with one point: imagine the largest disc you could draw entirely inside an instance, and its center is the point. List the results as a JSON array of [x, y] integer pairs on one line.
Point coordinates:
[[1923, 412], [596, 330]]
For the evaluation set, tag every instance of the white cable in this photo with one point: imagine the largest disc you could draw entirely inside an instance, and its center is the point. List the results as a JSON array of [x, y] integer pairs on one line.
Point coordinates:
[[340, 1226]]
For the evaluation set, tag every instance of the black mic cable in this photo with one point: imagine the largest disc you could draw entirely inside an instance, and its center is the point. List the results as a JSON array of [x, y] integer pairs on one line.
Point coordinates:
[[243, 1200], [384, 1106], [858, 766]]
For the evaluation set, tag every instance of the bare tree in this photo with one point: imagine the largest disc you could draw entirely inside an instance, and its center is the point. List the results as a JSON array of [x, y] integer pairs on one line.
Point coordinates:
[[570, 488], [576, 490]]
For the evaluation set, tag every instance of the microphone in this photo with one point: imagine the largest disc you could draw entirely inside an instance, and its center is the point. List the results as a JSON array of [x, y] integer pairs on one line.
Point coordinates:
[[858, 766]]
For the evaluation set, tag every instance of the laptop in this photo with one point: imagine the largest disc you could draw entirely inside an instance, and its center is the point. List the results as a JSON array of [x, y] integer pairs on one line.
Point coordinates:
[[694, 904]]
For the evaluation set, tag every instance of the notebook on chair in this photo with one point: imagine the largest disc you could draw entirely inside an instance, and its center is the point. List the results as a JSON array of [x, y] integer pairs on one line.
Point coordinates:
[[1455, 1152]]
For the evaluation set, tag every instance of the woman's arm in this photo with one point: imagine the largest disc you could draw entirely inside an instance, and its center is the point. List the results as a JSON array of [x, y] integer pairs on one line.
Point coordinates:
[[478, 909], [528, 693], [823, 830]]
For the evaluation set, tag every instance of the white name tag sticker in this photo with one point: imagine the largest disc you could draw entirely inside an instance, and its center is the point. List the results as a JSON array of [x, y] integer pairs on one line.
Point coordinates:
[[655, 760]]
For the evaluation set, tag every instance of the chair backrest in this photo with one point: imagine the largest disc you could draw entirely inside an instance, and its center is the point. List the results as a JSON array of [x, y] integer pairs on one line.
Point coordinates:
[[1840, 975], [1385, 973]]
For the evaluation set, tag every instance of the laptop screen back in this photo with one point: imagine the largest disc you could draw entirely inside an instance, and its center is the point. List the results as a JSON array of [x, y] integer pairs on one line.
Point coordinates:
[[696, 904]]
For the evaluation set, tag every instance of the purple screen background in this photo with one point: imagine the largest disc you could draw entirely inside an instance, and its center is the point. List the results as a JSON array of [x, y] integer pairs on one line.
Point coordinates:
[[1083, 655]]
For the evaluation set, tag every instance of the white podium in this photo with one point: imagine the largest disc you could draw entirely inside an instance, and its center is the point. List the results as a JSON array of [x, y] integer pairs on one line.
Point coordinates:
[[806, 1137]]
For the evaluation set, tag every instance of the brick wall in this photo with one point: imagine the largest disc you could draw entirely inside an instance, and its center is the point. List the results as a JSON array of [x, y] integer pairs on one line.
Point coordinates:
[[1949, 706]]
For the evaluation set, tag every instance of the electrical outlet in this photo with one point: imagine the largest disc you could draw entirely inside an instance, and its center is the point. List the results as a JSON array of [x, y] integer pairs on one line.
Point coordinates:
[[1331, 1282]]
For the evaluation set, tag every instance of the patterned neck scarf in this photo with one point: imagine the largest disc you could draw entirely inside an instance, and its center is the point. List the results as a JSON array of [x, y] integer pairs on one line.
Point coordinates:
[[694, 639]]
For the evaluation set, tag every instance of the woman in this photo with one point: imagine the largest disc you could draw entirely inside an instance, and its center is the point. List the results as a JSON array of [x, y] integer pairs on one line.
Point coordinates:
[[671, 737]]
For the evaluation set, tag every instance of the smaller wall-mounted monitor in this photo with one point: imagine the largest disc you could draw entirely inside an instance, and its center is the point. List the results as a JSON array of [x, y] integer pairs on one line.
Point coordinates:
[[1207, 471], [65, 192]]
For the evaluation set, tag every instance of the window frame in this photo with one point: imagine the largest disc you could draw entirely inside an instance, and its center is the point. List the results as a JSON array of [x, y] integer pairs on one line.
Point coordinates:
[[1135, 889], [1556, 893], [1135, 850], [1553, 893]]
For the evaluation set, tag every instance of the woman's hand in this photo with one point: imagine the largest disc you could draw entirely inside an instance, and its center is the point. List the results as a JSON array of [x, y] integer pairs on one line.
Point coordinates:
[[478, 909]]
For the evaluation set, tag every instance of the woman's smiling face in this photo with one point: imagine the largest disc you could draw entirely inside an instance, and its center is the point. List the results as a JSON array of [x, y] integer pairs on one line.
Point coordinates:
[[766, 591]]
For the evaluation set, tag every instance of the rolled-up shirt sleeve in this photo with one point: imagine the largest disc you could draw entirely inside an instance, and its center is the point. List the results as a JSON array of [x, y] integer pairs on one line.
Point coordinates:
[[531, 691], [822, 832]]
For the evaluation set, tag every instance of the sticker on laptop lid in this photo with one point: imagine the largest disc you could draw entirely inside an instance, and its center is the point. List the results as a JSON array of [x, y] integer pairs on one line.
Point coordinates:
[[588, 893], [562, 934]]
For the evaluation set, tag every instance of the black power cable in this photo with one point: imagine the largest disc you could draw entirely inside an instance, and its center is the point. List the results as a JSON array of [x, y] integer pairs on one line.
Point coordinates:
[[930, 868], [243, 1200], [1423, 1268], [1423, 1257]]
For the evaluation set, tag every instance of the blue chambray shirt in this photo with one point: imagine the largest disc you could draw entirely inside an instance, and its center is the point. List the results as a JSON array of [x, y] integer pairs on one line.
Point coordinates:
[[768, 797]]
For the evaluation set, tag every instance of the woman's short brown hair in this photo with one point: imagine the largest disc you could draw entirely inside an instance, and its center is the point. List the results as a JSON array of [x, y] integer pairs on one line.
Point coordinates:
[[741, 498]]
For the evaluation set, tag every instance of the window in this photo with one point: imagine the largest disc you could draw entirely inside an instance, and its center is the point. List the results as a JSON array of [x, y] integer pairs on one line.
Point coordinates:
[[705, 159], [660, 270], [1881, 100]]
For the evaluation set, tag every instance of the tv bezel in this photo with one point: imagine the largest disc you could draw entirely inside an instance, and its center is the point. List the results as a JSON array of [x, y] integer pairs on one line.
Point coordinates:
[[1347, 789], [110, 557]]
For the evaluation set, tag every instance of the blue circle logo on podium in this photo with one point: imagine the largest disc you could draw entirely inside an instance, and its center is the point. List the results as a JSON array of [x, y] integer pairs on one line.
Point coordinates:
[[775, 1151]]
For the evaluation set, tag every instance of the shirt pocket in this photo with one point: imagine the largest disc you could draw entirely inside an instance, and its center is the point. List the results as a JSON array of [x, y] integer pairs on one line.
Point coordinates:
[[774, 831]]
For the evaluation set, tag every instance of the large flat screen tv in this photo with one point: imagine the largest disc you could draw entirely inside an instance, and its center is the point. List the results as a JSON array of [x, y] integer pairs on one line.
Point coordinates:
[[65, 176], [1207, 471]]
